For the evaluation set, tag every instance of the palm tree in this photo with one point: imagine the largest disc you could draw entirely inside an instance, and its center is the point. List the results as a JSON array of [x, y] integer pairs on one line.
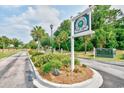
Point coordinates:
[[37, 33]]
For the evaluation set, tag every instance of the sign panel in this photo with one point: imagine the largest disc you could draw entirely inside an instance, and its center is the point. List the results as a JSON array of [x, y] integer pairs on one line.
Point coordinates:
[[105, 52], [81, 24]]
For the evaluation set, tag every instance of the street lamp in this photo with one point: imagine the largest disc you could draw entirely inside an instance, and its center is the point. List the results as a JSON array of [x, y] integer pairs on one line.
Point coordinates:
[[51, 27]]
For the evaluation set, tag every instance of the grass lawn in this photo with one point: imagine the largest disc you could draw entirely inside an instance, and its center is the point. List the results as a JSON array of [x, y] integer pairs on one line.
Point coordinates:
[[7, 53], [118, 58]]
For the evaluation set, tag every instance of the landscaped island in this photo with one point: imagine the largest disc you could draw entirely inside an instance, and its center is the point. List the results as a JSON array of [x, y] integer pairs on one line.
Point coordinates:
[[55, 67]]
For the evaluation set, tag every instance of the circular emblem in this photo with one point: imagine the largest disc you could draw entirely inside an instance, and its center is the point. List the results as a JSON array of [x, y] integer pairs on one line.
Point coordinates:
[[81, 24]]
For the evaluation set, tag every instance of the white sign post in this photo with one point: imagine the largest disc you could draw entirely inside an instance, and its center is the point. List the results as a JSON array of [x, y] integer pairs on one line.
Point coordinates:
[[72, 45], [80, 26]]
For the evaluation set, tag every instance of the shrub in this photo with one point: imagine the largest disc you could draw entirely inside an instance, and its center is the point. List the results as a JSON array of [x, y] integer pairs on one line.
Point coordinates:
[[47, 58], [37, 60], [31, 52], [56, 64], [77, 62], [47, 67], [52, 60], [37, 53], [34, 53], [66, 61], [83, 65], [53, 64]]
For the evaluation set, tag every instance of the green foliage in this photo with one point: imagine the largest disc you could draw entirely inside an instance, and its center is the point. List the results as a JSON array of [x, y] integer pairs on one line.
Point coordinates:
[[83, 65], [120, 38], [77, 62], [47, 67], [38, 34], [62, 34], [31, 45], [53, 64], [45, 41], [53, 61], [66, 61], [56, 64], [106, 25], [16, 42], [6, 42], [35, 52]]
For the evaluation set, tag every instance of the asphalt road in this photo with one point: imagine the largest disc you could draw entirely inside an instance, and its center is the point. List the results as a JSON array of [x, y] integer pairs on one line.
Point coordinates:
[[113, 75], [15, 72]]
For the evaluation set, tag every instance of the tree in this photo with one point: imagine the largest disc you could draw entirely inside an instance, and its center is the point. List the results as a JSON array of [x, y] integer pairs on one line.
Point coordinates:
[[45, 41], [37, 34], [63, 31], [99, 38], [86, 41], [32, 44], [108, 24], [120, 38], [104, 22], [16, 42], [4, 42], [104, 15], [58, 41]]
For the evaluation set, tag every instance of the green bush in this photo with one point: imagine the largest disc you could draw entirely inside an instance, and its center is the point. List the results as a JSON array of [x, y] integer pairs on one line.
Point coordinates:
[[77, 62], [52, 61], [56, 64], [31, 52], [47, 67], [53, 64], [47, 58], [66, 61], [35, 53]]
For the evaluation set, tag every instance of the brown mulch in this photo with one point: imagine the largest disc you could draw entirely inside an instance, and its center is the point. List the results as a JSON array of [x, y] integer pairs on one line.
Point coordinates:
[[67, 77]]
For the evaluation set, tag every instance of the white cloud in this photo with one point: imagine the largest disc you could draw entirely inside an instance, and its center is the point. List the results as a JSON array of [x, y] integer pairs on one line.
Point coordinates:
[[21, 25], [119, 7]]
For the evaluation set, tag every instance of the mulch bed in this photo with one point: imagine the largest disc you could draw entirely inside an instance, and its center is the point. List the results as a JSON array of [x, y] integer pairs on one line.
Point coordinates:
[[67, 77]]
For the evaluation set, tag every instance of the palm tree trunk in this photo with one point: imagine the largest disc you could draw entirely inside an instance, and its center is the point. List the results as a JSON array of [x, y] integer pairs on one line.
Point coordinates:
[[38, 45], [85, 48]]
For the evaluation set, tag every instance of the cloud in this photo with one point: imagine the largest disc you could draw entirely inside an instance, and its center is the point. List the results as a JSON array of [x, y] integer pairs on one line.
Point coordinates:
[[119, 7], [20, 26]]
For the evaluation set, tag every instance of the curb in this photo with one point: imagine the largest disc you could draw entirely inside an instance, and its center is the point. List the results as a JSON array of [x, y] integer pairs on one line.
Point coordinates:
[[95, 82]]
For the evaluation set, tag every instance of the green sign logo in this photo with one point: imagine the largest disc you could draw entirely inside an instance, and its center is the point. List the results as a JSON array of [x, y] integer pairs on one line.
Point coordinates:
[[81, 24]]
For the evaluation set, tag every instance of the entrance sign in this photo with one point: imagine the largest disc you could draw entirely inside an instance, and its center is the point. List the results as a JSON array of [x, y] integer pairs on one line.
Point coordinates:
[[105, 52], [80, 26]]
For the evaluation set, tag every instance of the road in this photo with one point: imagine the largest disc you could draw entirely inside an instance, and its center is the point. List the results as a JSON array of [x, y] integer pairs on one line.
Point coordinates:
[[113, 75], [15, 72]]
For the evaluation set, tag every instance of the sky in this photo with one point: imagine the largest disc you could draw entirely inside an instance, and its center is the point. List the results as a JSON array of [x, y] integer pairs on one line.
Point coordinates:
[[18, 21]]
